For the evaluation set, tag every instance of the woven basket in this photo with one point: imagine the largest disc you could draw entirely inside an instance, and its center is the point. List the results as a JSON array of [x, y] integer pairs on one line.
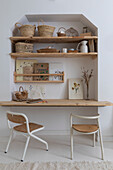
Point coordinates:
[[21, 95], [21, 47], [26, 30], [45, 30]]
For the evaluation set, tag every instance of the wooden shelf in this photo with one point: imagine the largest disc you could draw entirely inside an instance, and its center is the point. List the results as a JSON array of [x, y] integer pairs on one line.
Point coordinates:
[[53, 55], [59, 103], [53, 39], [42, 81]]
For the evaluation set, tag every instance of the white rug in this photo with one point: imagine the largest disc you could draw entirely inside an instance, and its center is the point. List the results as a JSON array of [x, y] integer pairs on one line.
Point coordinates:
[[104, 165]]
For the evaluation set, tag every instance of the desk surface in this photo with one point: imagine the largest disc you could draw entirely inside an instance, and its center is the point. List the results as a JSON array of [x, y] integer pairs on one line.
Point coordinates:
[[59, 103]]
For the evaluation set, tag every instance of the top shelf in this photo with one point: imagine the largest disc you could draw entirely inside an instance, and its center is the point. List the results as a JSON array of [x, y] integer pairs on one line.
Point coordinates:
[[53, 39]]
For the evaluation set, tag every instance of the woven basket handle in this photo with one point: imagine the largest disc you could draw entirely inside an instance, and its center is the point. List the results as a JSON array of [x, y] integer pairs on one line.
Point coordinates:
[[41, 21], [61, 28], [21, 89], [18, 23]]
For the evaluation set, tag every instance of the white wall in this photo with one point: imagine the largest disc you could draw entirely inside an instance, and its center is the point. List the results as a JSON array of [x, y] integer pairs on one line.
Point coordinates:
[[11, 11]]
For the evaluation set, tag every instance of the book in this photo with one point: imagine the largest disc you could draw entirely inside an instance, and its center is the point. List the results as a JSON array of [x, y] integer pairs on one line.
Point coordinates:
[[19, 67], [91, 46], [41, 68], [30, 101], [55, 68]]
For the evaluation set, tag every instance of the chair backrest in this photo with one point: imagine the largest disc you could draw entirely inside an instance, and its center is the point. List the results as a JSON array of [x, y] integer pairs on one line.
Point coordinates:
[[86, 117], [15, 118], [19, 118]]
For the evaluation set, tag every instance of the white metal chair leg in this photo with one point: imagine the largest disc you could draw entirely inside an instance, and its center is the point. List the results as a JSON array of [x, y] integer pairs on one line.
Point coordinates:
[[41, 140], [97, 136], [26, 145], [11, 135], [94, 140], [71, 143], [101, 145]]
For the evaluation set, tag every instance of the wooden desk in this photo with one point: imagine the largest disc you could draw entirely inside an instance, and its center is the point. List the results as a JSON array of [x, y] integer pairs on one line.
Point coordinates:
[[58, 103]]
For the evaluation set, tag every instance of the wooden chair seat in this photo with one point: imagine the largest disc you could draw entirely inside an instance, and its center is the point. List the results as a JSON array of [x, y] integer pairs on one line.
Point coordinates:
[[23, 128], [85, 128]]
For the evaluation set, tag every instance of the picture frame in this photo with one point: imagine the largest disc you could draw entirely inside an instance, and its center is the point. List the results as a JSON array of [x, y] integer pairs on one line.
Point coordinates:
[[75, 88]]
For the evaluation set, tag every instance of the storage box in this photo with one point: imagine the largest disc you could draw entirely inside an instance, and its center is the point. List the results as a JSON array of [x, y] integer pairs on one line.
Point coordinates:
[[21, 47]]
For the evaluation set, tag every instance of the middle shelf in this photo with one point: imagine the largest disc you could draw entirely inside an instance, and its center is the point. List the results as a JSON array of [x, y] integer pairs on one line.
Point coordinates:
[[53, 55]]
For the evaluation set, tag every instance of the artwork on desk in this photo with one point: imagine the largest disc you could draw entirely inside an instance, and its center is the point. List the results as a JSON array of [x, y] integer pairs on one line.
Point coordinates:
[[20, 67], [55, 68], [75, 88], [36, 91]]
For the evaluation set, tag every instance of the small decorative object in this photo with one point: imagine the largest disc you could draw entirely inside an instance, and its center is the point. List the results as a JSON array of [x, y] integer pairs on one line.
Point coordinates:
[[48, 50], [72, 50], [86, 32], [71, 32], [75, 88], [87, 76], [45, 30], [26, 30], [41, 68], [61, 32], [64, 50], [83, 47], [85, 29], [20, 95], [24, 47]]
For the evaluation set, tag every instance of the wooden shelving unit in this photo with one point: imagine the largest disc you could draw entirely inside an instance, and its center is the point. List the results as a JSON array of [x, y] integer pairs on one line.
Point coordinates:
[[53, 39], [52, 55], [35, 39], [32, 75]]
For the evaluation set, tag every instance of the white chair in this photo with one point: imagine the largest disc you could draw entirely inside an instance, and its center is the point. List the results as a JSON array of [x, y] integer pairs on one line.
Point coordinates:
[[25, 128], [86, 129]]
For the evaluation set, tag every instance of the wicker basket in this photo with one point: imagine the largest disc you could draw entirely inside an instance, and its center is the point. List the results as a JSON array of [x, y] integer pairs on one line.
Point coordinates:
[[26, 30], [21, 47], [45, 30], [21, 95]]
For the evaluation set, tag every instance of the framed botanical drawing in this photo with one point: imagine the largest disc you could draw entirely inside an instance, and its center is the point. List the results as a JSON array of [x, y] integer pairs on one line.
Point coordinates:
[[75, 88]]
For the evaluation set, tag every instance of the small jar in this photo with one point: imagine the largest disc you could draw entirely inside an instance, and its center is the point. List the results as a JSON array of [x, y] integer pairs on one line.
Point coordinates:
[[64, 50]]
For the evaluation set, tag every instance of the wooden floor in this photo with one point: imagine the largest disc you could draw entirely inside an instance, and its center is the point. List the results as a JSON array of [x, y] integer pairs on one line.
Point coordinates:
[[59, 103]]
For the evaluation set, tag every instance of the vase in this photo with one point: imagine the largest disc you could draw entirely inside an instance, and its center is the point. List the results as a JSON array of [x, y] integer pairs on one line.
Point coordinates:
[[87, 94]]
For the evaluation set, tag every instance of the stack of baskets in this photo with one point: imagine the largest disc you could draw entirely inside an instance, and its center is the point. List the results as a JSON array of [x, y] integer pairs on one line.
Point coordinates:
[[29, 31]]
